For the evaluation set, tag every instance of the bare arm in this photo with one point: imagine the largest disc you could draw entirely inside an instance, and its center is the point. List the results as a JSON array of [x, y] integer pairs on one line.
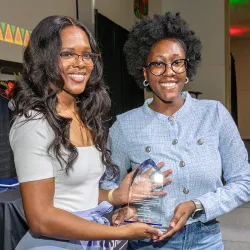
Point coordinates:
[[116, 197], [103, 195], [43, 218]]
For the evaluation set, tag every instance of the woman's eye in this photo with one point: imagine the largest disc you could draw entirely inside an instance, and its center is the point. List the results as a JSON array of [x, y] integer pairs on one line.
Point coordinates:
[[158, 63], [66, 54], [86, 55], [177, 62]]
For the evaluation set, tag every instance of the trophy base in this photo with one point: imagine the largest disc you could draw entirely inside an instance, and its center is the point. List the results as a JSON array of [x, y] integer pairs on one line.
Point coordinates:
[[162, 228]]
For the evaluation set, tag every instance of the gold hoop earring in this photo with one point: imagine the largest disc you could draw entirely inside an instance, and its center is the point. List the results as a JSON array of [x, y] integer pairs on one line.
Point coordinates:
[[145, 83]]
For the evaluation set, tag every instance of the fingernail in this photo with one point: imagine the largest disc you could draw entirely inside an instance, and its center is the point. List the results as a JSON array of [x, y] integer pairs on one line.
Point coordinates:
[[160, 233], [172, 224]]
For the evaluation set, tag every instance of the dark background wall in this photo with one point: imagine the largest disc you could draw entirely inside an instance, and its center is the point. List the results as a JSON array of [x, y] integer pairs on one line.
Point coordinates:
[[7, 168], [125, 93]]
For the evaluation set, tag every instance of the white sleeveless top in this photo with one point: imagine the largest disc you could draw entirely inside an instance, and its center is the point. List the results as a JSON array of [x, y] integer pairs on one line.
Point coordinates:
[[77, 191]]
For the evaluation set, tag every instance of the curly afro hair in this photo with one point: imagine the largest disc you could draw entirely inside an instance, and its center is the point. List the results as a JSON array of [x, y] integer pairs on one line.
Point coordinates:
[[151, 30]]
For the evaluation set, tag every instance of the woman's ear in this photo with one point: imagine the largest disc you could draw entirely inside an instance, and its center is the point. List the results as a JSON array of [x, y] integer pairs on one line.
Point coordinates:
[[145, 73]]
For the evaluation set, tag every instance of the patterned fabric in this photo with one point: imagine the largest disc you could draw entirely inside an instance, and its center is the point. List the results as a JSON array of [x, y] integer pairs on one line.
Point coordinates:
[[33, 242], [95, 215], [199, 143]]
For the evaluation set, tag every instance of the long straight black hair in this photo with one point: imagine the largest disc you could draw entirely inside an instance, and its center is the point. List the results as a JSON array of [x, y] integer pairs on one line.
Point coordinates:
[[33, 91]]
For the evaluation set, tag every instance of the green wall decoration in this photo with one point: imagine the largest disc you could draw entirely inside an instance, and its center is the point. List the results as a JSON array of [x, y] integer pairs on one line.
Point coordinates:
[[235, 2], [12, 34], [141, 8]]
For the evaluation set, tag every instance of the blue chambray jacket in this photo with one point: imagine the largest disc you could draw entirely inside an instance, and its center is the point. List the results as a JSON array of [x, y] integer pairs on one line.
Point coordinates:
[[199, 143]]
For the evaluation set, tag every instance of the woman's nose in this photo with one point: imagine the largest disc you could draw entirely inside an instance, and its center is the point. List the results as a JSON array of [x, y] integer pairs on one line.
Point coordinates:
[[169, 70], [79, 62]]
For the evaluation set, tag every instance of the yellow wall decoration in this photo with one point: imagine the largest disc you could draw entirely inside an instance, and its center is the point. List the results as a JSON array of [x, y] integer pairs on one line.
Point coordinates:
[[12, 34], [1, 35], [26, 38], [8, 35], [18, 37]]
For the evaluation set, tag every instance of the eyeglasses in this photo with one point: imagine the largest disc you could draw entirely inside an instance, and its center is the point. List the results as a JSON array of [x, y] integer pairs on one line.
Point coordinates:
[[89, 58], [158, 68]]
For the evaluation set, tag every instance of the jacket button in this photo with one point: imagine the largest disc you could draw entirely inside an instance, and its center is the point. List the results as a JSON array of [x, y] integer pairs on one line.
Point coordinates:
[[182, 164], [200, 141], [175, 141], [148, 149], [171, 118], [185, 190]]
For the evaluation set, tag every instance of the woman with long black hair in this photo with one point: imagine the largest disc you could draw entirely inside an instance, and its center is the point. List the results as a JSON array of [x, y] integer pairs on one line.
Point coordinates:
[[59, 141]]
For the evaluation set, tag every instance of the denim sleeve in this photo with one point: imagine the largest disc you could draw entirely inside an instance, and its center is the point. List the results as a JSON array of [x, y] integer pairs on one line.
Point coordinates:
[[117, 145], [236, 170]]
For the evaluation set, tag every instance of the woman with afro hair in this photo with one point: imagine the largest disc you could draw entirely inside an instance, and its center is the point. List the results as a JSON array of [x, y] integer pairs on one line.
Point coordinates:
[[197, 139]]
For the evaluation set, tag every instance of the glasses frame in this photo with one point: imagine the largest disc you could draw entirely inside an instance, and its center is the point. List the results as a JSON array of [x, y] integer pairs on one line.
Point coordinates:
[[171, 65], [77, 56]]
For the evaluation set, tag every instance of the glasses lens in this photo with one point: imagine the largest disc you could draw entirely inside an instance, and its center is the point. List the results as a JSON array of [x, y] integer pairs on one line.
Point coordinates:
[[67, 56], [90, 59], [157, 68], [179, 66]]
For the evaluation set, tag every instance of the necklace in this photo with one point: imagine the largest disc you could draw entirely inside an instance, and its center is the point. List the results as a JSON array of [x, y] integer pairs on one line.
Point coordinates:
[[86, 138], [75, 117]]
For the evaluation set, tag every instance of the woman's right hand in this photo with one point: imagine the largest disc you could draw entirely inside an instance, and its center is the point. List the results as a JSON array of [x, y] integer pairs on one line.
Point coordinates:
[[124, 213], [139, 231]]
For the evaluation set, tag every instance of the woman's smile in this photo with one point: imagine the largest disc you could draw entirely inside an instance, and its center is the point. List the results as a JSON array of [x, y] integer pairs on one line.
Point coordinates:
[[77, 77]]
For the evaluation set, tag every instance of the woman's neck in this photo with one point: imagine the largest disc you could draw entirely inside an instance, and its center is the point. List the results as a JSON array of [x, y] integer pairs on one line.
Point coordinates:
[[166, 108], [66, 101]]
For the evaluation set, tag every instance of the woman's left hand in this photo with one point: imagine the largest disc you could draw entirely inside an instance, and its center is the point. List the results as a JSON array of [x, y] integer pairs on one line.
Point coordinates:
[[122, 195], [181, 214]]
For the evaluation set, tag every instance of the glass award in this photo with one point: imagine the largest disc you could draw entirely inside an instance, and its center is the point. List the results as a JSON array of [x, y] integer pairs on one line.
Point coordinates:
[[144, 196]]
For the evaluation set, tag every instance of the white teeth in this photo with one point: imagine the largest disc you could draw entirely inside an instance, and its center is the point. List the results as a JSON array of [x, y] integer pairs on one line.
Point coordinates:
[[169, 85], [76, 75]]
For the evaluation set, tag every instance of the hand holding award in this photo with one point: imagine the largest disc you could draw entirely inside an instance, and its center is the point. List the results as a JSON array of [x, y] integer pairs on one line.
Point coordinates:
[[145, 193]]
